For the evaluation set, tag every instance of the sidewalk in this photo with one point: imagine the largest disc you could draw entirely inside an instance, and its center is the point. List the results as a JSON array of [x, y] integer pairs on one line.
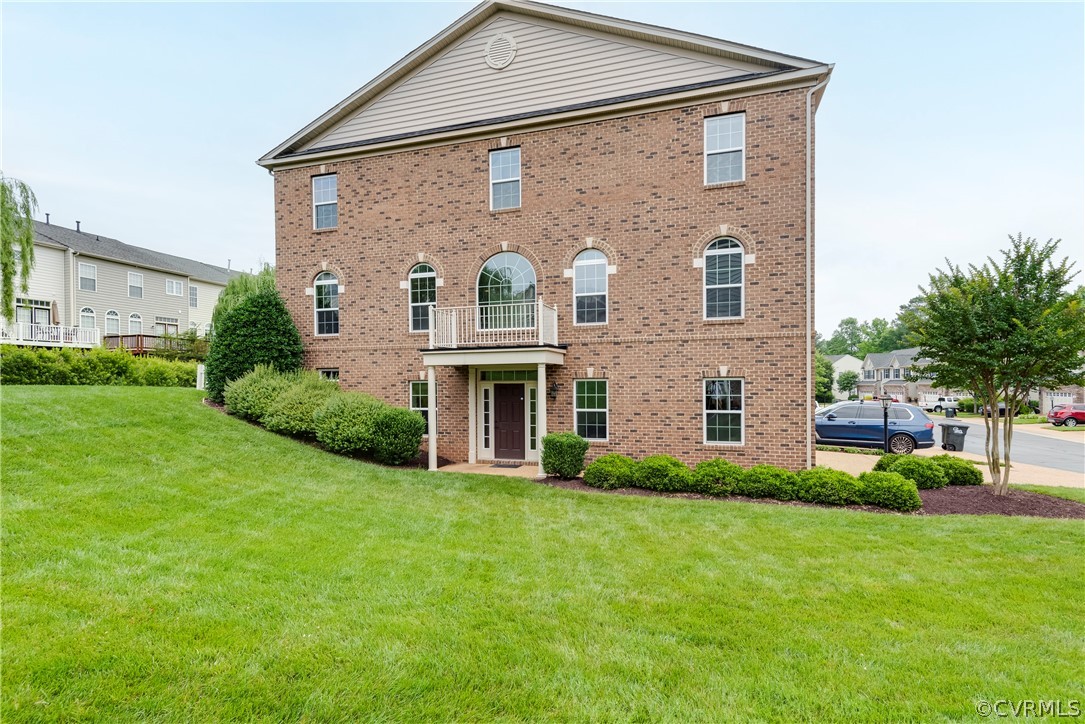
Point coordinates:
[[1020, 473]]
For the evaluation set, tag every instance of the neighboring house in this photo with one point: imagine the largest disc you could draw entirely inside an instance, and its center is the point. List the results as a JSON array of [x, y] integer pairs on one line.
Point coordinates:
[[86, 288], [888, 373], [544, 219], [1060, 396], [844, 363]]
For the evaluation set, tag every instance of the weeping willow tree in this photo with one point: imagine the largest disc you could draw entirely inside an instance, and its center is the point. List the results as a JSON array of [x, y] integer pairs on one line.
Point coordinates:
[[17, 207], [240, 287]]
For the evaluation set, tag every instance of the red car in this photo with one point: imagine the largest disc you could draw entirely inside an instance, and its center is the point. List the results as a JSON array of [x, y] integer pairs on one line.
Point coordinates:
[[1069, 415]]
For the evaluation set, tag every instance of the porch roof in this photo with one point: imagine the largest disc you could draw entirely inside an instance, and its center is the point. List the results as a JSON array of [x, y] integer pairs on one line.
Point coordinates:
[[484, 356]]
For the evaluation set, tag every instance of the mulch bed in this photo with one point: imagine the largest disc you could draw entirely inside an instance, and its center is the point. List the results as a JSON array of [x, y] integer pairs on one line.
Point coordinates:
[[951, 500]]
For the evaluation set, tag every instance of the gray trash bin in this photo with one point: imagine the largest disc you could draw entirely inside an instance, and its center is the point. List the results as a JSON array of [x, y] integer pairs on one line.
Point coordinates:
[[952, 436], [951, 412]]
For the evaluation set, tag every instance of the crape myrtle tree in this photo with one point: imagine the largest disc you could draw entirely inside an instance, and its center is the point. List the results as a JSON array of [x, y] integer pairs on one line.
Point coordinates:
[[258, 330], [847, 381], [17, 207], [1000, 330]]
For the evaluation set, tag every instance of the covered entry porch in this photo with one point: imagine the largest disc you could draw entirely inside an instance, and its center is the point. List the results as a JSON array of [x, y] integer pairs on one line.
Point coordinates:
[[506, 401]]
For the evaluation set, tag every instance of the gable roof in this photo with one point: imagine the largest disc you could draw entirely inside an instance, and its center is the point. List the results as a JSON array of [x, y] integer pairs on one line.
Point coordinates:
[[569, 63], [903, 357], [104, 247]]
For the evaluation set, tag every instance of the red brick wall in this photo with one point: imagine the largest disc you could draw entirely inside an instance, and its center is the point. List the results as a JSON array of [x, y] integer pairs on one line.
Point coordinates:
[[635, 185]]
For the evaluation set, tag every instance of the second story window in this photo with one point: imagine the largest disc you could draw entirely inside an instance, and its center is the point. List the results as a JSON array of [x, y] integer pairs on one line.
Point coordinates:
[[193, 296], [86, 317], [590, 287], [325, 202], [725, 149], [505, 179], [723, 280], [88, 277], [326, 296], [135, 285], [423, 282], [175, 288]]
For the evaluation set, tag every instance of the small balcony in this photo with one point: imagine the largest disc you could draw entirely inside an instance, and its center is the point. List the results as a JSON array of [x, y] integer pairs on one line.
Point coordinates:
[[27, 334], [144, 343], [515, 324]]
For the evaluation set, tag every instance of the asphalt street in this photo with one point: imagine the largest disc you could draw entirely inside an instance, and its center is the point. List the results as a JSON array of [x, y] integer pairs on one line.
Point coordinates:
[[1028, 448]]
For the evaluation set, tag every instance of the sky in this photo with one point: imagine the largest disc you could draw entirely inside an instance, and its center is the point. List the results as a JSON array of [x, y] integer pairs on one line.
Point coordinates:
[[945, 126]]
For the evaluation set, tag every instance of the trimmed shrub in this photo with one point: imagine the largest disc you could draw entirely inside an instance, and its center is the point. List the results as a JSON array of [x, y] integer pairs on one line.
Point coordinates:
[[717, 477], [827, 486], [885, 462], [768, 481], [926, 473], [664, 473], [251, 396], [345, 423], [563, 454], [99, 366], [958, 471], [397, 434], [889, 490], [291, 413], [257, 331], [966, 404], [610, 472]]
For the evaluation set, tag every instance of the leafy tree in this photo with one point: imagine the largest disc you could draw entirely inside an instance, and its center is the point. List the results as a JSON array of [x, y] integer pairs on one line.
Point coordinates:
[[258, 330], [823, 378], [1000, 330], [845, 339], [847, 381], [240, 287], [17, 207]]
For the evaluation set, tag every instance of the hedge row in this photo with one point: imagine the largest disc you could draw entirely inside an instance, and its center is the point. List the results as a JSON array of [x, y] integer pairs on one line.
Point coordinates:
[[98, 366], [933, 472], [304, 405]]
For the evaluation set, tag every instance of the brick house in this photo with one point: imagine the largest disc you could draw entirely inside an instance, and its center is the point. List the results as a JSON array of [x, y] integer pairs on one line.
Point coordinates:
[[546, 220]]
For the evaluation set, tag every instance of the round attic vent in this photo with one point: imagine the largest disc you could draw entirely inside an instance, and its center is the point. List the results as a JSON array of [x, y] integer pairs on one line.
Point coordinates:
[[500, 51]]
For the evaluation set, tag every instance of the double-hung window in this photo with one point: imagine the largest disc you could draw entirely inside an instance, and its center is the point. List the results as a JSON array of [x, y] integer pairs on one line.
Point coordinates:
[[590, 409], [135, 285], [723, 297], [505, 179], [326, 293], [725, 148], [723, 411], [88, 277], [175, 288], [420, 400], [590, 287], [193, 296], [423, 284], [325, 201]]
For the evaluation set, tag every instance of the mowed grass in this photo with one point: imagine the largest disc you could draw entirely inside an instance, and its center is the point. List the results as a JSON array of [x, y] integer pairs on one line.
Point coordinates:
[[1075, 494], [163, 561]]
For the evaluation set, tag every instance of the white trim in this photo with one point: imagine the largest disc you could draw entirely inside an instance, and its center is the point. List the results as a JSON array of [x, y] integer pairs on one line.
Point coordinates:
[[94, 276], [114, 315], [606, 286], [741, 149], [484, 392], [411, 276], [410, 402], [518, 356], [88, 311], [312, 196], [175, 284], [741, 252], [193, 293], [130, 285], [316, 300], [705, 412], [134, 316], [519, 182], [577, 410]]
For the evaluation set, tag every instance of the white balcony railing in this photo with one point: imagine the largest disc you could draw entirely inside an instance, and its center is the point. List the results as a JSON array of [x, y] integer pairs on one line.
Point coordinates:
[[493, 325], [50, 335]]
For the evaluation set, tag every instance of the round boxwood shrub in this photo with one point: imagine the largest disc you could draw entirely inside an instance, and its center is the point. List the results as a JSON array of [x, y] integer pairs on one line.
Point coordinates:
[[610, 472], [768, 481], [926, 473], [885, 462], [958, 471], [345, 423], [827, 486], [258, 330], [291, 413], [664, 473], [250, 396], [563, 454], [889, 490], [397, 435], [717, 477]]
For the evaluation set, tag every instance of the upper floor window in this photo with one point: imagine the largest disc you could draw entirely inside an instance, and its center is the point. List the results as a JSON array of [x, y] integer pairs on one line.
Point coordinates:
[[725, 148], [723, 298], [193, 296], [325, 201], [423, 283], [112, 322], [868, 374], [506, 292], [723, 411], [590, 287], [175, 288], [135, 285], [326, 295], [135, 324], [88, 277], [505, 179], [896, 373], [86, 317]]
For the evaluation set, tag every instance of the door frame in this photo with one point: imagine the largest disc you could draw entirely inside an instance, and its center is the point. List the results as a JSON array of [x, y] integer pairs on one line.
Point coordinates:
[[485, 405]]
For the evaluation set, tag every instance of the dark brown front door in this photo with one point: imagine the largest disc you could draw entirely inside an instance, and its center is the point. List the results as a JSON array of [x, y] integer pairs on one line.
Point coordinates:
[[509, 422]]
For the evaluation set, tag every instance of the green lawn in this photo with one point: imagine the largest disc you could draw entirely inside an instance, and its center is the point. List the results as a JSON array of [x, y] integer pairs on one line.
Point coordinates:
[[1077, 494], [163, 561]]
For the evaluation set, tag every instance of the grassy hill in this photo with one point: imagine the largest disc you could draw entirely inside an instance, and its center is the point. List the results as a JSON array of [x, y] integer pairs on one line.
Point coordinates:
[[164, 561]]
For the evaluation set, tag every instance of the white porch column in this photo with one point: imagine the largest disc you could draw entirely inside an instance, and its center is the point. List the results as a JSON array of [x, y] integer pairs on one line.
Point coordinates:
[[431, 403], [540, 414], [472, 416]]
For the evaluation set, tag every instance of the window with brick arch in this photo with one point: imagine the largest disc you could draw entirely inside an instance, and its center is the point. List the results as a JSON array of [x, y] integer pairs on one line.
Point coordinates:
[[423, 283], [723, 280], [590, 287], [326, 302]]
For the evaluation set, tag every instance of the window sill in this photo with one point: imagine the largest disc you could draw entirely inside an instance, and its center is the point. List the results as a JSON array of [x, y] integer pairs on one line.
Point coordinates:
[[726, 184], [507, 211], [325, 231], [725, 320], [326, 336], [723, 444]]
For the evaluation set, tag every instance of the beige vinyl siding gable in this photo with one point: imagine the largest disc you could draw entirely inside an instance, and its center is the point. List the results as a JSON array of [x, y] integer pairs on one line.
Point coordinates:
[[47, 278], [112, 293], [555, 66], [208, 297]]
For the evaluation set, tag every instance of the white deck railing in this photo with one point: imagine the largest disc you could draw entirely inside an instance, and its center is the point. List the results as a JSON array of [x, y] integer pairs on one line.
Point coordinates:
[[50, 335], [493, 325]]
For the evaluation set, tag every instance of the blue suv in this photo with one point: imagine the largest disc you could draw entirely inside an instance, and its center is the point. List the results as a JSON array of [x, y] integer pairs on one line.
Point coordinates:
[[860, 424]]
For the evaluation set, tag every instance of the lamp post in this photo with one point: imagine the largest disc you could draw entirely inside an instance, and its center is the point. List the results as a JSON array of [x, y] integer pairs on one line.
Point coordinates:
[[887, 400]]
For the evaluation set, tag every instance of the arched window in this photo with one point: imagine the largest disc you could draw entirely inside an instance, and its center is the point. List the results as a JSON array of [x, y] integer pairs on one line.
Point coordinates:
[[723, 298], [326, 299], [506, 292], [135, 324], [423, 283], [590, 287], [86, 317], [112, 322]]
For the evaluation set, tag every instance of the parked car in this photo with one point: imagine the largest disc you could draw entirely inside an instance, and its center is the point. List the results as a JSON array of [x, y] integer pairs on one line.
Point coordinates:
[[860, 424], [1069, 415], [1001, 410], [937, 404]]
